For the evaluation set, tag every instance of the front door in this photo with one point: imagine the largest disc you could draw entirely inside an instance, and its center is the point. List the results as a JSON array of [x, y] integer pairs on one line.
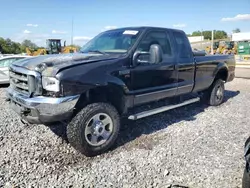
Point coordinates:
[[152, 82]]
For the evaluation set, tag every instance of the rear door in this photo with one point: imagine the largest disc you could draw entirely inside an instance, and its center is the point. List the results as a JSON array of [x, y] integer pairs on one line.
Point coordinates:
[[152, 82], [185, 63]]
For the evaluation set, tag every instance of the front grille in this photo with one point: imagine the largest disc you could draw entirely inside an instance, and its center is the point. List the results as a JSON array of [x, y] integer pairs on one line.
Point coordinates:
[[19, 81], [23, 82]]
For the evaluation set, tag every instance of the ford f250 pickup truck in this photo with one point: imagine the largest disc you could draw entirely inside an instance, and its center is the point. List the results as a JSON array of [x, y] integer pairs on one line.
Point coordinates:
[[113, 74]]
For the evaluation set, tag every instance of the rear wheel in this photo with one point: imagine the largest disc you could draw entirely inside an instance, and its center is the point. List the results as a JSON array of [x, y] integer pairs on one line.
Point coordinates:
[[215, 94], [94, 129]]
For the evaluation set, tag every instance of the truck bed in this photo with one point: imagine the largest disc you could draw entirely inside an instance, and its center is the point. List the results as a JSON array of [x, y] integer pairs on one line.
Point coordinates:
[[207, 67]]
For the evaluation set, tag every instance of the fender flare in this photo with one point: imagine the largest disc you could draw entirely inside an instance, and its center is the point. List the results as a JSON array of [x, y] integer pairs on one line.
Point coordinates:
[[221, 66]]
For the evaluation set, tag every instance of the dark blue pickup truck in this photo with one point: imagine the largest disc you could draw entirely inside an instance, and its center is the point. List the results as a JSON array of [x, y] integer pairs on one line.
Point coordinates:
[[112, 74]]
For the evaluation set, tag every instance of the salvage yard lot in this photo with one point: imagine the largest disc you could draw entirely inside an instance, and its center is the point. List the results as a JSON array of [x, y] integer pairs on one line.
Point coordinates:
[[193, 146]]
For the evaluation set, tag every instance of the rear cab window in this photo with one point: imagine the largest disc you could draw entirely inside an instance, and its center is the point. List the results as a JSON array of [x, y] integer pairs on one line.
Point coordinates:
[[182, 45]]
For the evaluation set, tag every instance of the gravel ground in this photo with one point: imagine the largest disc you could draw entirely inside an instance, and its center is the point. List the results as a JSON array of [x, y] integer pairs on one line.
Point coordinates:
[[193, 146]]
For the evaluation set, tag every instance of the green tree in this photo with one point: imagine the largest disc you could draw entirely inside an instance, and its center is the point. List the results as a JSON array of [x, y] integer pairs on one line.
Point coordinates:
[[219, 34], [196, 33], [16, 48], [208, 34], [8, 46], [236, 30], [29, 44], [5, 45], [2, 43]]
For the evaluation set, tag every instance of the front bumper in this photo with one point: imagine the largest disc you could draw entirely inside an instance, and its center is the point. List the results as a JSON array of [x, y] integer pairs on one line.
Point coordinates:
[[41, 109]]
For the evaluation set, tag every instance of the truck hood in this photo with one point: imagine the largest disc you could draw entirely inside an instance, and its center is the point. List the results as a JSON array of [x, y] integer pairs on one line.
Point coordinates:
[[49, 65]]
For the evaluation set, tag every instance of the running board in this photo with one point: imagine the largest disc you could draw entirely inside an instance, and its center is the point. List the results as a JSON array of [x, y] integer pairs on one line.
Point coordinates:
[[162, 109]]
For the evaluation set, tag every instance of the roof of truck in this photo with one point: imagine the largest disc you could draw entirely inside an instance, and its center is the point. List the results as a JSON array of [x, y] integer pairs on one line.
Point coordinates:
[[145, 27]]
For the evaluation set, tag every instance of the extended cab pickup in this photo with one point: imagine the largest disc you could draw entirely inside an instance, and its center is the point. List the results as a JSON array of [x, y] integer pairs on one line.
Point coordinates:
[[112, 74]]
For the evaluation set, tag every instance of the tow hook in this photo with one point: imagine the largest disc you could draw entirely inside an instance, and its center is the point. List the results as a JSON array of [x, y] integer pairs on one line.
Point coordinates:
[[24, 111], [24, 122]]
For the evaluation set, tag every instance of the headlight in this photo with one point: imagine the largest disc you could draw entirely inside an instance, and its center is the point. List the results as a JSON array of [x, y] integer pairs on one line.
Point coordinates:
[[50, 84]]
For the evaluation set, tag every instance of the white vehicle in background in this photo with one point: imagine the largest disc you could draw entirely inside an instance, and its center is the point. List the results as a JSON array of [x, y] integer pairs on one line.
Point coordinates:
[[4, 66]]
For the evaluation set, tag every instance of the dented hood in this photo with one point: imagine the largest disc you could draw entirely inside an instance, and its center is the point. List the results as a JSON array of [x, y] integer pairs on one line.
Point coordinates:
[[49, 65]]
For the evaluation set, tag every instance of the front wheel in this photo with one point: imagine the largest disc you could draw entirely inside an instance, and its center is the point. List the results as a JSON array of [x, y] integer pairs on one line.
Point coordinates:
[[215, 94], [246, 180], [94, 129]]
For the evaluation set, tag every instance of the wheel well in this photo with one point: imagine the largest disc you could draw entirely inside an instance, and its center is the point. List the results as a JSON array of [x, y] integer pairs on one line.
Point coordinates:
[[109, 94], [222, 74]]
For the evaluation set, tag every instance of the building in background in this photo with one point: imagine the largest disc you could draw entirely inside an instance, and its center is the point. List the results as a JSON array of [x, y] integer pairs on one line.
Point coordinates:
[[196, 39], [241, 36]]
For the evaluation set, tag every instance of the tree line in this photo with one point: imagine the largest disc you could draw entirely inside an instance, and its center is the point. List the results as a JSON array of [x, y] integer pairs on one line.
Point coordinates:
[[7, 46], [218, 34]]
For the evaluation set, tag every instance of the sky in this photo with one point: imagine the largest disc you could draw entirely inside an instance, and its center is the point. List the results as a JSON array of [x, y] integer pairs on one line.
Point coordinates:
[[41, 19]]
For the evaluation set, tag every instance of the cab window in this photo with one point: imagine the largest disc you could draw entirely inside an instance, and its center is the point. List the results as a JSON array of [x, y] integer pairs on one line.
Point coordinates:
[[183, 45], [156, 37]]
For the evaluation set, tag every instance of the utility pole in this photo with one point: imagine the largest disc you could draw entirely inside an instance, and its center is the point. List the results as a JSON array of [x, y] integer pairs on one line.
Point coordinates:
[[72, 29], [212, 42], [201, 38]]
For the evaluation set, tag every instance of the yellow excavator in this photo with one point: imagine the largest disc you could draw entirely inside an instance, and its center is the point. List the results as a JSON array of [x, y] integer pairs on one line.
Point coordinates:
[[223, 47], [53, 46]]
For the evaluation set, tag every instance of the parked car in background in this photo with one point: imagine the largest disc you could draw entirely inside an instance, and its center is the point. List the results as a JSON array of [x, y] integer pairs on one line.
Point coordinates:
[[4, 67], [246, 176]]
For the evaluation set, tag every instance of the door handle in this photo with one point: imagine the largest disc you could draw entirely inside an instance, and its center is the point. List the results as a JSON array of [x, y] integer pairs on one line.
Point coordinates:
[[124, 72]]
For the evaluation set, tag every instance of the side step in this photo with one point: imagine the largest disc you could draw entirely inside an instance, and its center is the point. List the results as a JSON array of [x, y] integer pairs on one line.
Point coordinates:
[[162, 109]]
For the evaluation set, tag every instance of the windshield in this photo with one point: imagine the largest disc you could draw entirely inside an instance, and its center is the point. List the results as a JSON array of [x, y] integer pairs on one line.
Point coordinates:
[[117, 41]]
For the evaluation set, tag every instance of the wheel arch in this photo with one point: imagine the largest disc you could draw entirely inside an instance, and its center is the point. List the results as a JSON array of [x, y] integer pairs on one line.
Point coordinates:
[[221, 72], [110, 93]]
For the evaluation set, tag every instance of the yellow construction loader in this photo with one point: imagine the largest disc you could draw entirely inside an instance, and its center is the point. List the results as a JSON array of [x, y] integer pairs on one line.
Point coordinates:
[[223, 47], [53, 46]]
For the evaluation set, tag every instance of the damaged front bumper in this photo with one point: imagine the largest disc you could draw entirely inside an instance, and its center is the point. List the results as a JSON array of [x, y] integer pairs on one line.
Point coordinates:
[[37, 110]]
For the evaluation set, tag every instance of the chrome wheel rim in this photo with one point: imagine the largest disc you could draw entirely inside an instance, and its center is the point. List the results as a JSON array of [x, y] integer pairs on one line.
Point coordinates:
[[219, 93], [99, 129]]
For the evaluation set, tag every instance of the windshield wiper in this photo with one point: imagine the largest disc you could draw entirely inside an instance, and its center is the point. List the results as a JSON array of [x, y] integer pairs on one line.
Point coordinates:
[[97, 51]]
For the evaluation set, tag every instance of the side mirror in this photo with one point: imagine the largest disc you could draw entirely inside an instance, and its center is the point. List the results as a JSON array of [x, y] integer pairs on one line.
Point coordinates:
[[136, 59], [155, 54]]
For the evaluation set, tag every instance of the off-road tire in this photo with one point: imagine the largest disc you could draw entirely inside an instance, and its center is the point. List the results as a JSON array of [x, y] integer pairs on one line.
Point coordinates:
[[210, 96], [76, 128], [246, 180]]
